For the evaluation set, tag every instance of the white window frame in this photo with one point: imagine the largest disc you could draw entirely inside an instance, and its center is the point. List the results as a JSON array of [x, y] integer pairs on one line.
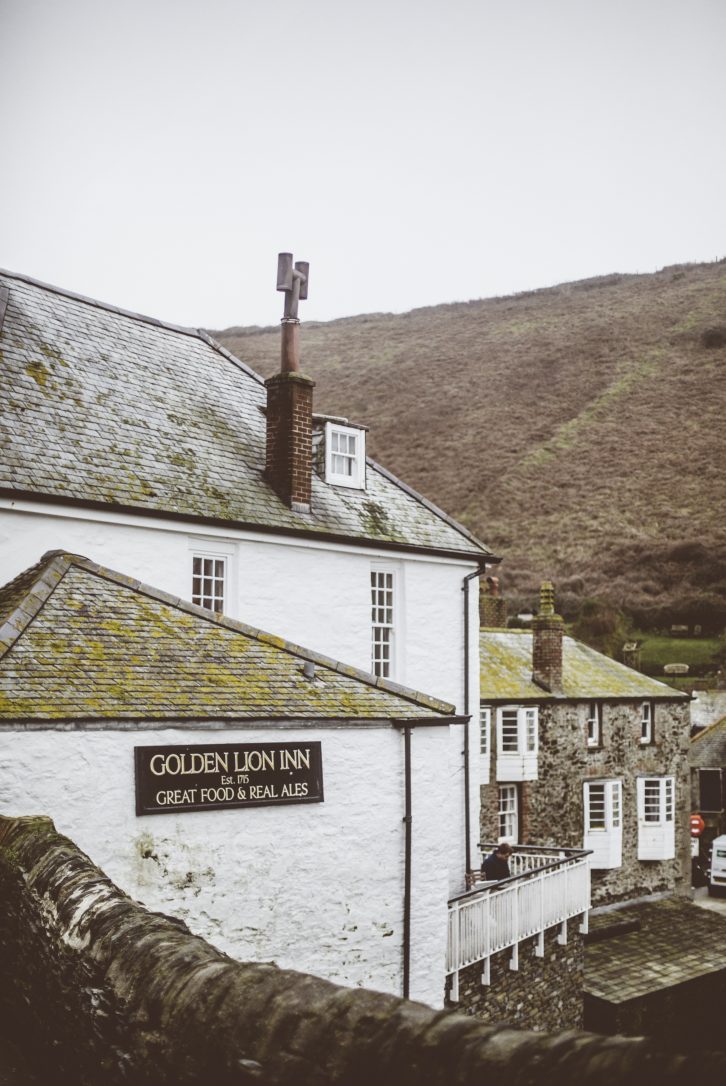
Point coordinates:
[[485, 743], [198, 598], [508, 813], [594, 724], [520, 763], [606, 839], [356, 478], [647, 713], [383, 622], [656, 797], [527, 725], [485, 726]]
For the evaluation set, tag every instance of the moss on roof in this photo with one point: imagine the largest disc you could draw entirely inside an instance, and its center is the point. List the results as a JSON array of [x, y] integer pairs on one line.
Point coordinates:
[[79, 641], [506, 672], [87, 385]]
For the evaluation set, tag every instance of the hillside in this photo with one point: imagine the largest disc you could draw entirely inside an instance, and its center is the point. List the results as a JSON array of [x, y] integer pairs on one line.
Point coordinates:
[[578, 430]]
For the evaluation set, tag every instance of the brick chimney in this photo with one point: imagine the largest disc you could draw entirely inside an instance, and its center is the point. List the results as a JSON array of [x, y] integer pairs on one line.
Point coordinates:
[[289, 449], [492, 606], [547, 631]]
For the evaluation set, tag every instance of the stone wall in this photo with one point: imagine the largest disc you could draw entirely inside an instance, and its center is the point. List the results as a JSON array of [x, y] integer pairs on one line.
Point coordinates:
[[551, 808], [543, 994], [102, 993]]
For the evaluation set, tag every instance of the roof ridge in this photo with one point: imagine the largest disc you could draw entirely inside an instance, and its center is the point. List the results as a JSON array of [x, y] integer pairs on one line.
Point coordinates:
[[709, 728], [626, 667], [433, 509], [108, 306], [53, 566], [408, 694], [212, 342], [199, 333]]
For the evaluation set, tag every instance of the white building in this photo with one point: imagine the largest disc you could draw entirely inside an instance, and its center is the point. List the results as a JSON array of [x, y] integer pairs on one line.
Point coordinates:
[[152, 450], [286, 806]]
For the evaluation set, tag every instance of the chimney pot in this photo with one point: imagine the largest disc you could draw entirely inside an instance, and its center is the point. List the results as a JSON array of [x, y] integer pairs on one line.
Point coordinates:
[[492, 606]]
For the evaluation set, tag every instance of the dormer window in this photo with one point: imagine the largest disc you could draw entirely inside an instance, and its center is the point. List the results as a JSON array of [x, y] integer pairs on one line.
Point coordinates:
[[345, 455]]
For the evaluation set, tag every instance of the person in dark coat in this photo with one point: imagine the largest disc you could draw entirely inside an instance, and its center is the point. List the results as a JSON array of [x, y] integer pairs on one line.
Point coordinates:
[[496, 865]]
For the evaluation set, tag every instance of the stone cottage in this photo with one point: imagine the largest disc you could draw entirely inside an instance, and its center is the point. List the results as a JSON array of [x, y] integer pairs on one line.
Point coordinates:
[[578, 750]]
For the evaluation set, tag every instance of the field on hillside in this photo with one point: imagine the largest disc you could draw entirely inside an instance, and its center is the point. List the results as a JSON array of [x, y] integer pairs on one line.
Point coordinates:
[[658, 650], [578, 430]]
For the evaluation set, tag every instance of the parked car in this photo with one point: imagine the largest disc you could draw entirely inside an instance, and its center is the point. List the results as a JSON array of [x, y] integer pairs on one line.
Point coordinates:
[[717, 867]]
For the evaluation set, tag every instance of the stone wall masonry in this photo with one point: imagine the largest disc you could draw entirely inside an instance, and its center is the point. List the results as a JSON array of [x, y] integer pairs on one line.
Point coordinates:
[[543, 994], [101, 992]]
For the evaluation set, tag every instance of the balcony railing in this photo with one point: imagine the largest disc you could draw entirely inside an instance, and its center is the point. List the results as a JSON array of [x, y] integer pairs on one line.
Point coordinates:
[[548, 887]]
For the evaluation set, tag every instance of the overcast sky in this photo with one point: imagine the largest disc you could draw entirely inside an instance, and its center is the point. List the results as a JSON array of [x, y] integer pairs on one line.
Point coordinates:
[[158, 153]]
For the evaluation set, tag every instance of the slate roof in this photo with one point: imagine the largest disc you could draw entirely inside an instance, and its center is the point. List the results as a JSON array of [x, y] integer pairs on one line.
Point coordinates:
[[676, 942], [104, 406], [708, 748], [80, 642], [505, 659]]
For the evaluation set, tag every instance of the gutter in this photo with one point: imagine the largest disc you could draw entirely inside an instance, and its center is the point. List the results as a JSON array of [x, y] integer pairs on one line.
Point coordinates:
[[407, 819], [291, 531]]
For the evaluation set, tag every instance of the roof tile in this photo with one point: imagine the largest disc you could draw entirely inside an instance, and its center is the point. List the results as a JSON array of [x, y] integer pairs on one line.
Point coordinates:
[[506, 672], [91, 382], [101, 645]]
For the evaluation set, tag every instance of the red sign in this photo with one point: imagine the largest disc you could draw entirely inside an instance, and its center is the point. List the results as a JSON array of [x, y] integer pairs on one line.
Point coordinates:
[[697, 825]]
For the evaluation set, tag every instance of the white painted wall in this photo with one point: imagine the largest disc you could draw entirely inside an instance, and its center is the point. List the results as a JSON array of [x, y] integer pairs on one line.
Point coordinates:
[[315, 887], [314, 593]]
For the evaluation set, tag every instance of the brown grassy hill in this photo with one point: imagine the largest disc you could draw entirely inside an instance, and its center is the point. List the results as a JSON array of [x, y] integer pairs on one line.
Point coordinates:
[[579, 430]]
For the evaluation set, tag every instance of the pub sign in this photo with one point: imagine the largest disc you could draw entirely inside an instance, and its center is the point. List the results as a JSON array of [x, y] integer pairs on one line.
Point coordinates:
[[217, 776]]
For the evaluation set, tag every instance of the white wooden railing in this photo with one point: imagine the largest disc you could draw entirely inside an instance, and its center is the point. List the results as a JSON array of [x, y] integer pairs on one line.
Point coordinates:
[[549, 891], [524, 858]]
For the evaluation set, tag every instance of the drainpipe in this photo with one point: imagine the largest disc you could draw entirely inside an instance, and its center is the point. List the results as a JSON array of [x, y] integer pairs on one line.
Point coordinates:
[[467, 712], [407, 818], [406, 726]]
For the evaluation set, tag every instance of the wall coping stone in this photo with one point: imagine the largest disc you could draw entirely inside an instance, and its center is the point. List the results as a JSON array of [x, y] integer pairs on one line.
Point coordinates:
[[193, 1015]]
